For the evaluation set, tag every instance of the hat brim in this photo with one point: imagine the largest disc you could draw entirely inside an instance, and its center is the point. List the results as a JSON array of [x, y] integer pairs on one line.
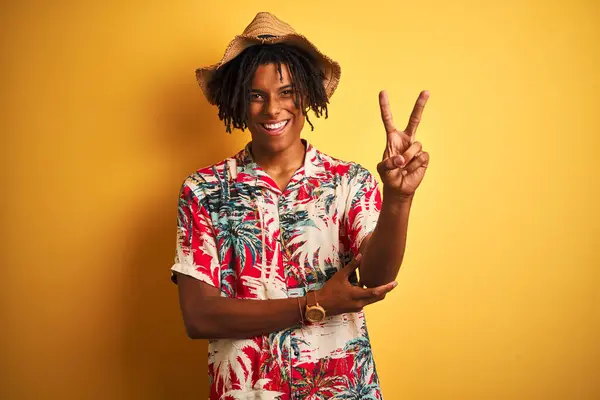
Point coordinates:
[[331, 69]]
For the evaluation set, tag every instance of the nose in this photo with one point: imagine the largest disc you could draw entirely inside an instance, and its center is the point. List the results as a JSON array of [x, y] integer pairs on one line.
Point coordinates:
[[272, 107]]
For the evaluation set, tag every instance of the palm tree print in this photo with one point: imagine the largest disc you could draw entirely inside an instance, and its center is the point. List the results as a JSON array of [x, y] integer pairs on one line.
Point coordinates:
[[238, 231], [229, 360], [360, 348], [359, 390], [241, 237], [281, 345], [317, 382]]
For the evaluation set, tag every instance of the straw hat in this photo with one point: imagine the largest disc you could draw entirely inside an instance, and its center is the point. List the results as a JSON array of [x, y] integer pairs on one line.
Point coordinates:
[[267, 28]]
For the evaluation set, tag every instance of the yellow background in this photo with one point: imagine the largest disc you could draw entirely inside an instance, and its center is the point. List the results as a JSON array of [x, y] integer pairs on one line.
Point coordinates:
[[498, 296]]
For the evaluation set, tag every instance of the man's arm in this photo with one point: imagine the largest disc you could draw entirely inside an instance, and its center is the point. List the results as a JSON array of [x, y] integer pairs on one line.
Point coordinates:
[[401, 170], [383, 250], [207, 315]]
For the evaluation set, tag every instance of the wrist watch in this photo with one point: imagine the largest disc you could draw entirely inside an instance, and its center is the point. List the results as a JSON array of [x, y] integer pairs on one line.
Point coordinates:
[[313, 311]]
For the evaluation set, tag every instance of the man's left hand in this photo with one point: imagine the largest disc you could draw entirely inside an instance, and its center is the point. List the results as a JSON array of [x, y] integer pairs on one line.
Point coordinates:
[[404, 161]]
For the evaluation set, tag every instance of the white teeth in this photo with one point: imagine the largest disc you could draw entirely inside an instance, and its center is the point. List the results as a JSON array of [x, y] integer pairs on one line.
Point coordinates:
[[275, 126]]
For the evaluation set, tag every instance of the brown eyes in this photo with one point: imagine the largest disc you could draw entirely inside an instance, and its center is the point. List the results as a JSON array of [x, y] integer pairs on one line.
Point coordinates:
[[259, 97]]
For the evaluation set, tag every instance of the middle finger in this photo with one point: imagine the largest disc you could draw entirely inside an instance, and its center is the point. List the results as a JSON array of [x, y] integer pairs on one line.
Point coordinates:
[[416, 114], [362, 293]]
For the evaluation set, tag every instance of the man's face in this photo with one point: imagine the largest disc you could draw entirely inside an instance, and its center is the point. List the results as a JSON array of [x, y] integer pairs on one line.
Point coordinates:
[[273, 119]]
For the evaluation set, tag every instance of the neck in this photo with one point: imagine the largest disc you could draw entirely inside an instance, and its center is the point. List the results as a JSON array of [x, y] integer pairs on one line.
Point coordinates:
[[281, 162]]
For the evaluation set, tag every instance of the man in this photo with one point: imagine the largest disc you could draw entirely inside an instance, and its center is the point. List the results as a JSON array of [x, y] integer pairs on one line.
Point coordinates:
[[269, 240]]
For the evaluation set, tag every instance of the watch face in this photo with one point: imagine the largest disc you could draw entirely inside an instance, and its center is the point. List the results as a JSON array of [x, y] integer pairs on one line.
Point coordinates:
[[315, 314]]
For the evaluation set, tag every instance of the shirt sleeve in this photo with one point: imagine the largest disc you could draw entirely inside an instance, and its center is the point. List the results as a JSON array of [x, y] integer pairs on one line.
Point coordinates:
[[196, 249], [363, 208]]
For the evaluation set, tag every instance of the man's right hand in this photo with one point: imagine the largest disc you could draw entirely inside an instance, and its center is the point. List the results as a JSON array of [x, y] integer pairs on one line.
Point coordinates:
[[339, 296]]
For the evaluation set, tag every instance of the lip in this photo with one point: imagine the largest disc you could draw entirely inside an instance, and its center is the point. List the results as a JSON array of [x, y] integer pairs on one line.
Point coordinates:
[[275, 132]]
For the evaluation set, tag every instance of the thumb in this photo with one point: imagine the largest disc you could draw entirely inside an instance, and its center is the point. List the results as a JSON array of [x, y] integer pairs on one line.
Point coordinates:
[[390, 163]]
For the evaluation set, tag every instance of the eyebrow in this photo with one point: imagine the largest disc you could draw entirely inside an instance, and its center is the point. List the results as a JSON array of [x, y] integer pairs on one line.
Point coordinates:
[[281, 88]]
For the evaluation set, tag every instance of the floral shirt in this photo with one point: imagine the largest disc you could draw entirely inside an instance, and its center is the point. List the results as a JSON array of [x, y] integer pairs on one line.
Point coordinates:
[[239, 232]]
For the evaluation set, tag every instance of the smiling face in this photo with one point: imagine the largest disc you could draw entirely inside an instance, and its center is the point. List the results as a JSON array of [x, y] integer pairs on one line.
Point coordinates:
[[274, 120]]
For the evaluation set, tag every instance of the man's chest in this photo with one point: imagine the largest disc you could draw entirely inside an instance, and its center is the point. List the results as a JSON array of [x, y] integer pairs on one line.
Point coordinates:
[[272, 244]]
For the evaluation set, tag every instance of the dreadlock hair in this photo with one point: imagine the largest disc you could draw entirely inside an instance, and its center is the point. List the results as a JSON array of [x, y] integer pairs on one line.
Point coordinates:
[[230, 85]]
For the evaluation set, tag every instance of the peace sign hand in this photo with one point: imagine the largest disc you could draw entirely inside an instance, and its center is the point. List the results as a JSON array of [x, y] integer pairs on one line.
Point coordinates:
[[404, 161]]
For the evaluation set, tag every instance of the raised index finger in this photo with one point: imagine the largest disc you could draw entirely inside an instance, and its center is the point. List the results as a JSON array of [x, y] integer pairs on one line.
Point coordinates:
[[415, 116], [386, 112]]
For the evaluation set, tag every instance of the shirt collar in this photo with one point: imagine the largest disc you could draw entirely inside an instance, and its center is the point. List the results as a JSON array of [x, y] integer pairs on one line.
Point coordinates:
[[251, 172]]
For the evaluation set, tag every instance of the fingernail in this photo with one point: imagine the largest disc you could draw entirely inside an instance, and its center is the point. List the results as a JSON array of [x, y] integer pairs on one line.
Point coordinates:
[[394, 284]]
